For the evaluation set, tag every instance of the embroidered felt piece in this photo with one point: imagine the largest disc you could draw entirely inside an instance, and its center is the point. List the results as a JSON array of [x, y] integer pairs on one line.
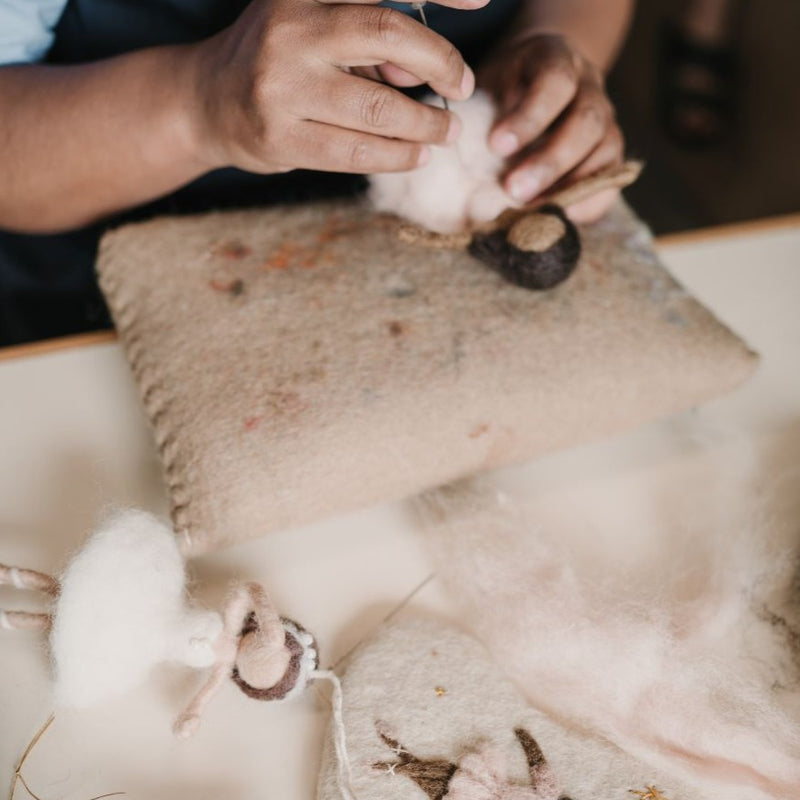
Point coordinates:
[[428, 715], [296, 362]]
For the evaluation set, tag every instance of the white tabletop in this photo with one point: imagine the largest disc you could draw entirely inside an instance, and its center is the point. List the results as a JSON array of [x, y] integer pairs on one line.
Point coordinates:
[[73, 441]]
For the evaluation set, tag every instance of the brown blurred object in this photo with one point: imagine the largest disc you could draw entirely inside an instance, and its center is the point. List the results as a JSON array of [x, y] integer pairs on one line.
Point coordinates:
[[755, 172]]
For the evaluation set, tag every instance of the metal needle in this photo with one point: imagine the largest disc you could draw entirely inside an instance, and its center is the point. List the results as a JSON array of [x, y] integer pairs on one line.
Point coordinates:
[[420, 7]]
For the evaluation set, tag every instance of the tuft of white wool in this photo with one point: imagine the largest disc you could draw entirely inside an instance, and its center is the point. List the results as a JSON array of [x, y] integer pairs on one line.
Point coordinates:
[[122, 609], [656, 669], [459, 186]]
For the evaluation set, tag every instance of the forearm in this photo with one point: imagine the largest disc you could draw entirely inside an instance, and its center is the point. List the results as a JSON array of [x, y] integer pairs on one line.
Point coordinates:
[[596, 28], [80, 142]]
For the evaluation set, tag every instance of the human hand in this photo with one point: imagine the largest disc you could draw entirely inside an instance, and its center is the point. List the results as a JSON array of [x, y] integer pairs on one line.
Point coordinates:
[[278, 90], [556, 122]]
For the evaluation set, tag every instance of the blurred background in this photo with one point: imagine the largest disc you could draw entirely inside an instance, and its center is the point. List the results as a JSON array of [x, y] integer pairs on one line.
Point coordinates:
[[750, 168]]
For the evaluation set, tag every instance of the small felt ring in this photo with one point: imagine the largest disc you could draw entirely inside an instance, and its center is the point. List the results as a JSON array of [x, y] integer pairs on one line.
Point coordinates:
[[303, 652]]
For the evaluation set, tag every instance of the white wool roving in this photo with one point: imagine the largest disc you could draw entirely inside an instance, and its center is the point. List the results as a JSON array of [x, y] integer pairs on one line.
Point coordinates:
[[459, 186], [659, 671], [122, 609]]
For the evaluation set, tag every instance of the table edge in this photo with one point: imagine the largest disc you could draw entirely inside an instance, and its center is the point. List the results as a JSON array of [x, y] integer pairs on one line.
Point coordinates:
[[729, 230], [55, 345]]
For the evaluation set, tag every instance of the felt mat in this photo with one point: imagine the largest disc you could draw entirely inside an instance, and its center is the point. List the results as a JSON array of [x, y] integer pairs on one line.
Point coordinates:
[[300, 361]]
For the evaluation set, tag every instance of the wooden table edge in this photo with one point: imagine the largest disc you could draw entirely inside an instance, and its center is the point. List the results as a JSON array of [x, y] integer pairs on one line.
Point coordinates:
[[729, 230], [55, 345], [665, 242]]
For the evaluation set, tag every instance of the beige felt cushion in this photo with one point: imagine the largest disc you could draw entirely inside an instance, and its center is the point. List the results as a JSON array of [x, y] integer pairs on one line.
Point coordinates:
[[301, 361]]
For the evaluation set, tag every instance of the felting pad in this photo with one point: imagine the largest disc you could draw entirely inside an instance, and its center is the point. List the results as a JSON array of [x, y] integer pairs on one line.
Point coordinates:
[[301, 361]]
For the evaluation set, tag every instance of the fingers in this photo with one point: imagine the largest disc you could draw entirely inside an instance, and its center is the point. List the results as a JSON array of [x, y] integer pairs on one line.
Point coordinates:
[[592, 208], [284, 92], [587, 124], [391, 73], [609, 152], [363, 105], [465, 5], [558, 121], [315, 145], [551, 75], [387, 73], [370, 36]]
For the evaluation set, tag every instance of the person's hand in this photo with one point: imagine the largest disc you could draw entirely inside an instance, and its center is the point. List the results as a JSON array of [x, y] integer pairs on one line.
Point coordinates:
[[556, 123], [279, 89]]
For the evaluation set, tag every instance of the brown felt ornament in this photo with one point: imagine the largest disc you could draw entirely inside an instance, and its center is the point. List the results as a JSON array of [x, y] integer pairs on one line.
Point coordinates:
[[535, 246], [539, 251]]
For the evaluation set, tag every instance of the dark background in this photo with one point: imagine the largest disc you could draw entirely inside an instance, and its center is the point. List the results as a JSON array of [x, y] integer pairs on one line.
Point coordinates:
[[756, 171]]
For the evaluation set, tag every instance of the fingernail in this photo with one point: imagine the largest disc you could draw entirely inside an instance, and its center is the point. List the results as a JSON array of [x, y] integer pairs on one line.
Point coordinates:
[[504, 143], [424, 155], [467, 83], [526, 184], [454, 130]]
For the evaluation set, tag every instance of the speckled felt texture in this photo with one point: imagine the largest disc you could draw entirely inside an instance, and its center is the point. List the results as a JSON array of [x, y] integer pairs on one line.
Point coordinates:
[[301, 361], [437, 693]]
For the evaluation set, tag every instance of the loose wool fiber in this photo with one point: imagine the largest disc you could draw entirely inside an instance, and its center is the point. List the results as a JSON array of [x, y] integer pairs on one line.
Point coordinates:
[[122, 610], [459, 186], [651, 653]]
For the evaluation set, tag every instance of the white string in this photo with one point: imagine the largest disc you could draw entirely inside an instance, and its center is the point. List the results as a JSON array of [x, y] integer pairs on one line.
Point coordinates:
[[5, 622], [344, 777], [16, 578]]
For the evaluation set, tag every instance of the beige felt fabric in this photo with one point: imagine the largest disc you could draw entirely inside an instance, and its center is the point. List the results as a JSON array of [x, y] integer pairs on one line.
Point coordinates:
[[391, 685], [301, 361]]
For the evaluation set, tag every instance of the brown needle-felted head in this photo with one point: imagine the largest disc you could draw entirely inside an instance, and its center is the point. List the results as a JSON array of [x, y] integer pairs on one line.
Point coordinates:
[[268, 676], [539, 251]]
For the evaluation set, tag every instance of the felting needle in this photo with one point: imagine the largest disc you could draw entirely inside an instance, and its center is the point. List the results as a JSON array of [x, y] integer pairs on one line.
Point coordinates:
[[420, 9], [396, 610]]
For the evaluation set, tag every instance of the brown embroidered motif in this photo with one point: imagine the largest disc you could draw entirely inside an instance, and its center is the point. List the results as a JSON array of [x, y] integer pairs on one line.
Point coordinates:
[[434, 776], [431, 775], [538, 768], [533, 753]]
